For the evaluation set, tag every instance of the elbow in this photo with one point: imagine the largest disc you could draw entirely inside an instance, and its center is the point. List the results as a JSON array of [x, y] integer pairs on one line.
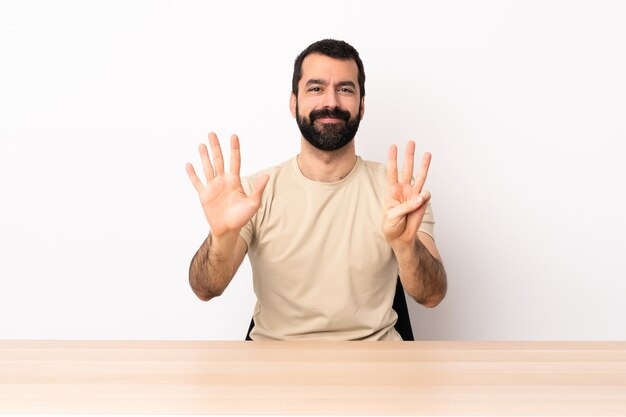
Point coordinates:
[[436, 295], [432, 301], [202, 291], [205, 295], [202, 296]]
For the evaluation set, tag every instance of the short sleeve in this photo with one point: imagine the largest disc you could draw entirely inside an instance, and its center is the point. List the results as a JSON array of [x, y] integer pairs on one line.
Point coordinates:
[[428, 222]]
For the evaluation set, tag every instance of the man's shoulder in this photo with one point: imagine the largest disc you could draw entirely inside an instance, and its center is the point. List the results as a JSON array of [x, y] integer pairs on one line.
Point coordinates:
[[374, 172], [272, 171], [379, 169], [374, 167]]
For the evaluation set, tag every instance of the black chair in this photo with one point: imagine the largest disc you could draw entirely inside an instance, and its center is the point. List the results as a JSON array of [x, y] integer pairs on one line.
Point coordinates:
[[403, 325]]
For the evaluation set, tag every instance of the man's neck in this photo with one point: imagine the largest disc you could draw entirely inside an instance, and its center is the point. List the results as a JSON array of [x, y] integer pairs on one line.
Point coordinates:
[[326, 166]]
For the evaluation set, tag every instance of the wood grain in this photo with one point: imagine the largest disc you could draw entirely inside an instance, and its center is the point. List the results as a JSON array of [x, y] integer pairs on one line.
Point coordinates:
[[313, 378]]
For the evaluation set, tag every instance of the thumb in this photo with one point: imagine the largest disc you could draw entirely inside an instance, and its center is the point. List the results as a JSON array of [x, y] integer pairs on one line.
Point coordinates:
[[259, 187], [409, 206]]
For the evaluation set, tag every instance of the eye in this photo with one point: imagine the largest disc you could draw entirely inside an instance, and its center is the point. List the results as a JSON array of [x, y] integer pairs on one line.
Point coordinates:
[[346, 90], [315, 89]]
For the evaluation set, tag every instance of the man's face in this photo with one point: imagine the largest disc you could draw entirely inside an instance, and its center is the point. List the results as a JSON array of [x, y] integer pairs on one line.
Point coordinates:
[[328, 108]]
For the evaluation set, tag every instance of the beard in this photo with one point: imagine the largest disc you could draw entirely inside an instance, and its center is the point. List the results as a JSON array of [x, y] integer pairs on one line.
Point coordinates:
[[328, 136]]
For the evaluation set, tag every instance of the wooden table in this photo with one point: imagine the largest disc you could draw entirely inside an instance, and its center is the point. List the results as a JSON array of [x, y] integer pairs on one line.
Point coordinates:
[[314, 378]]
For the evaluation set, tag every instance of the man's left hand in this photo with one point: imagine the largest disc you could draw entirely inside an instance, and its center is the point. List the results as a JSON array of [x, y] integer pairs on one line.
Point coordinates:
[[406, 202]]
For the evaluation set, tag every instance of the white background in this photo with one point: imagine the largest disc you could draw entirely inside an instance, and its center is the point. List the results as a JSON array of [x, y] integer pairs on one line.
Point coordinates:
[[522, 104]]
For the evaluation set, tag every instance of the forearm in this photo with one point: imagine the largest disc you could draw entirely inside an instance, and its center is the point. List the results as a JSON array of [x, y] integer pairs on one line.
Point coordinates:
[[423, 276], [212, 267]]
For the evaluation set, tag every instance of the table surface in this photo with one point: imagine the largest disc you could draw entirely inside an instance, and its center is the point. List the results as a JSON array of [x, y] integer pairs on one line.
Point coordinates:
[[313, 378]]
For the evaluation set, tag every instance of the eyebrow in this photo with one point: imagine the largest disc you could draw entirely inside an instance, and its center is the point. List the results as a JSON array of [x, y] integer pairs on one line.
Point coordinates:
[[315, 81]]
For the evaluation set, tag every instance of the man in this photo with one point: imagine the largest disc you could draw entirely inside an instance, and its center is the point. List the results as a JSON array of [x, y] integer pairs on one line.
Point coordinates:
[[326, 232]]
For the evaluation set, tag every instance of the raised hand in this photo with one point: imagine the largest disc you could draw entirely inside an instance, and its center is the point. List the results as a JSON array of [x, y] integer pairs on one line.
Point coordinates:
[[405, 202], [226, 205]]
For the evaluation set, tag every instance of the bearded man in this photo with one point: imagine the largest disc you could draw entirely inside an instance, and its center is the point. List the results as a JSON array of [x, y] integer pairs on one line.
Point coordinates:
[[327, 233]]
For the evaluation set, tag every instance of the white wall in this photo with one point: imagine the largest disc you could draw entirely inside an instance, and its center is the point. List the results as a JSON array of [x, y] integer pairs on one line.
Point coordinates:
[[101, 104]]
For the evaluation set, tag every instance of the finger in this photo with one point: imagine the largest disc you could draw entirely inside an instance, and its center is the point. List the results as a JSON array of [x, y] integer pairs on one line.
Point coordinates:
[[216, 150], [409, 157], [409, 206], [392, 165], [235, 155], [422, 173], [207, 167], [414, 219], [259, 187], [191, 173]]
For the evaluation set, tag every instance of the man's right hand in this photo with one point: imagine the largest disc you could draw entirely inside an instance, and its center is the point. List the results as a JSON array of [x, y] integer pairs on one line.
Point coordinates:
[[226, 205]]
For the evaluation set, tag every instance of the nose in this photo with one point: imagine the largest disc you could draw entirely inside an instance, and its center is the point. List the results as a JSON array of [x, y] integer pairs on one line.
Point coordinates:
[[330, 99]]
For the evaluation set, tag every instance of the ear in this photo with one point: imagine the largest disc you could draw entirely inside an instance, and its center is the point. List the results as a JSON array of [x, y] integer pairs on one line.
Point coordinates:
[[362, 108], [292, 104]]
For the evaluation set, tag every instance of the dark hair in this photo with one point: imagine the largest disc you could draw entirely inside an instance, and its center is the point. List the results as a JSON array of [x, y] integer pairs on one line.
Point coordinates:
[[331, 48]]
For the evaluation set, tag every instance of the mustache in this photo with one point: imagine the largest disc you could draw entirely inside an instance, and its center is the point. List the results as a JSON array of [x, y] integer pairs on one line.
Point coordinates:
[[336, 113]]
